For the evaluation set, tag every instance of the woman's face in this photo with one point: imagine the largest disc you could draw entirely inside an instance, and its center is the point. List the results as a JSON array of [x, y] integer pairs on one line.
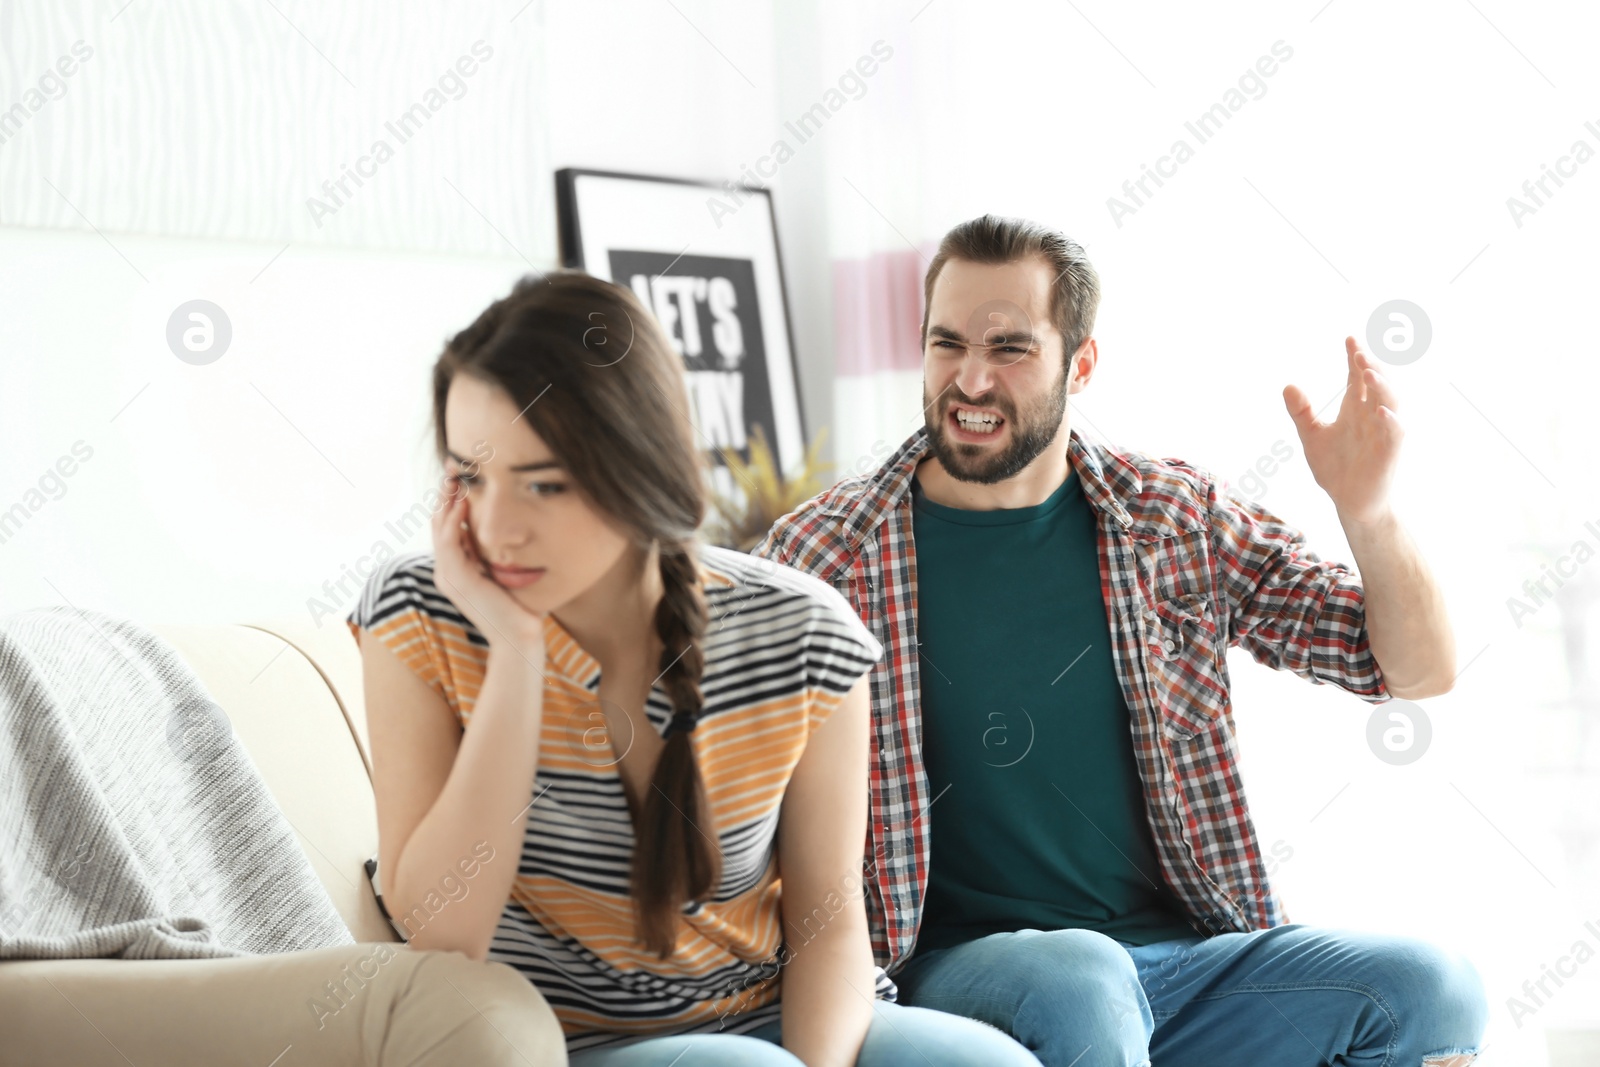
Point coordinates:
[[524, 509]]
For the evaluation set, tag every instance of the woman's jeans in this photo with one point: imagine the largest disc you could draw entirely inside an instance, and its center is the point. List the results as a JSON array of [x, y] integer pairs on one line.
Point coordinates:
[[915, 1037], [1292, 996]]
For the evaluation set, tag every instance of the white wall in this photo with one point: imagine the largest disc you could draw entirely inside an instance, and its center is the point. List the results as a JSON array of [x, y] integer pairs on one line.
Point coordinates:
[[259, 484]]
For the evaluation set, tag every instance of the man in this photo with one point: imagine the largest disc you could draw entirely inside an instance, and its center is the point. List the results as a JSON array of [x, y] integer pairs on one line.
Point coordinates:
[[1056, 615]]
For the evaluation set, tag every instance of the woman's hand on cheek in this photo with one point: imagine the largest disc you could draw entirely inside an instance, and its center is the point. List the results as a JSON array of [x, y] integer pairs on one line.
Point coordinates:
[[463, 577]]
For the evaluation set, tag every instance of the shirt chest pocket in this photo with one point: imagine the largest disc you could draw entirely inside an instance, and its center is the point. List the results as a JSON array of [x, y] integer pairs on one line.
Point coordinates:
[[1184, 659], [860, 589]]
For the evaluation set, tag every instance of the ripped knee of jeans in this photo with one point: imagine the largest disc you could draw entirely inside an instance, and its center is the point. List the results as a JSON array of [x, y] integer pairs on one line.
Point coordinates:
[[1451, 1059]]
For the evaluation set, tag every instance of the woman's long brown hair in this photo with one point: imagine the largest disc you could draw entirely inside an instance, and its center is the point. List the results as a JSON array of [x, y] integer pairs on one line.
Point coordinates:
[[598, 381]]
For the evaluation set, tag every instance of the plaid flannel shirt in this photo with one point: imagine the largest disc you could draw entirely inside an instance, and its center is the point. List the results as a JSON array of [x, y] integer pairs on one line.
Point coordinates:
[[1187, 570]]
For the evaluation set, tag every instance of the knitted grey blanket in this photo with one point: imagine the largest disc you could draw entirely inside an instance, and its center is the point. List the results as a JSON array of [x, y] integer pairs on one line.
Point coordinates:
[[133, 824]]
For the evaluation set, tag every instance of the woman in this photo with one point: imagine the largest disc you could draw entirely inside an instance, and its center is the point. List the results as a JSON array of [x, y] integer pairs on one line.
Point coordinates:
[[651, 755]]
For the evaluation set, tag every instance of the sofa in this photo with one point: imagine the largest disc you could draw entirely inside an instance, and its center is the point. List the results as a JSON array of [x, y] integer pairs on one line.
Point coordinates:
[[293, 695]]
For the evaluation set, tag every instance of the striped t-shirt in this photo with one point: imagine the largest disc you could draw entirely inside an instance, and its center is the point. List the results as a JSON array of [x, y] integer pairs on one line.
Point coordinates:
[[781, 650]]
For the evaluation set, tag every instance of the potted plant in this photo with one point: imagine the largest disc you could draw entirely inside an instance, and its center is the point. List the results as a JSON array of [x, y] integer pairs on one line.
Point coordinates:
[[768, 495]]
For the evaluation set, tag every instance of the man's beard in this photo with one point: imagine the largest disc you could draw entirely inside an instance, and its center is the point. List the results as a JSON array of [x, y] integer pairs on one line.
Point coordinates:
[[1031, 432]]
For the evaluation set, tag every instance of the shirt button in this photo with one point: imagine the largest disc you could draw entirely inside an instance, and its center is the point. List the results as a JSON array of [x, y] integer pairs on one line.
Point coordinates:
[[1170, 645]]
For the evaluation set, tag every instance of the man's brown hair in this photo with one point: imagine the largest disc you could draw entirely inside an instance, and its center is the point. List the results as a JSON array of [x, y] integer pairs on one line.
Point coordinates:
[[1074, 293]]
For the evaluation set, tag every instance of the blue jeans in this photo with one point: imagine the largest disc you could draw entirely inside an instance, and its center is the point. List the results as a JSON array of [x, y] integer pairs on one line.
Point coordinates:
[[1292, 996], [898, 1035]]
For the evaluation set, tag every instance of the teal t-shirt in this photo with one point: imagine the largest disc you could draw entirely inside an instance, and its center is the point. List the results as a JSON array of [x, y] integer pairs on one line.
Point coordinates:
[[1040, 819]]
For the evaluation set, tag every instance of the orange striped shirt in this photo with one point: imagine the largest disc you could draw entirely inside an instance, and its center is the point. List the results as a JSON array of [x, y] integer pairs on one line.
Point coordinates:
[[781, 649]]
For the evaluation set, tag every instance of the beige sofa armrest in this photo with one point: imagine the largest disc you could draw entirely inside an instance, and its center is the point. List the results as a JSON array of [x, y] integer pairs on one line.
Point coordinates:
[[292, 721]]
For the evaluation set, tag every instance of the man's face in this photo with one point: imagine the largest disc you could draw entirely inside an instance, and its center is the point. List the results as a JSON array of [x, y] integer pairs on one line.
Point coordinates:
[[994, 385]]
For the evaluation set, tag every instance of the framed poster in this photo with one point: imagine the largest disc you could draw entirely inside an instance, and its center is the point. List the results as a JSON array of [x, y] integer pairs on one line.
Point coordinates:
[[704, 258]]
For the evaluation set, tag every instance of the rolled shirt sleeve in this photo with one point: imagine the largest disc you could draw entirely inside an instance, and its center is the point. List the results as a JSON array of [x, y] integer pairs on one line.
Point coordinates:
[[1288, 607]]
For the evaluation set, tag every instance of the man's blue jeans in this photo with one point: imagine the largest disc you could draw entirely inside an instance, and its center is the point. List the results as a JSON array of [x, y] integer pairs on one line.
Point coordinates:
[[1292, 996]]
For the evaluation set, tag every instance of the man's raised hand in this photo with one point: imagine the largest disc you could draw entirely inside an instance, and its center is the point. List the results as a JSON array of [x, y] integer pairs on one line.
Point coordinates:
[[1353, 457]]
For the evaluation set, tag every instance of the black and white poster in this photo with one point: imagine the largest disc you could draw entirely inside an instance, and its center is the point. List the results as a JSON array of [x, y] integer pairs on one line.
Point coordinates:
[[712, 279], [708, 307]]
